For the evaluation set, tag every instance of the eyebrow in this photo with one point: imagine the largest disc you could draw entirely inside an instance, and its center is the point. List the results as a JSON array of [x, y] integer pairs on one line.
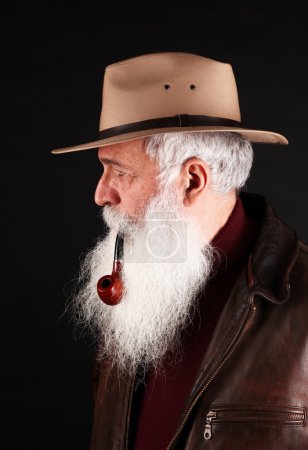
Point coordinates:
[[114, 162]]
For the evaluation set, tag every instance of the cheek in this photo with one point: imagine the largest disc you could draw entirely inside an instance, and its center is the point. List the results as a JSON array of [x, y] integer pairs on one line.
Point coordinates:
[[136, 195], [132, 187], [123, 185], [145, 190]]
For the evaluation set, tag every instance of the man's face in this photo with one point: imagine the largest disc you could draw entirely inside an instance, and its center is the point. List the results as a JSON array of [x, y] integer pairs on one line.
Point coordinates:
[[128, 179], [165, 262]]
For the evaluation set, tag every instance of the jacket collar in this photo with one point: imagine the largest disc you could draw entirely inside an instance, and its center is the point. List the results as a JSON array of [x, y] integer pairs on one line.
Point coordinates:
[[274, 253]]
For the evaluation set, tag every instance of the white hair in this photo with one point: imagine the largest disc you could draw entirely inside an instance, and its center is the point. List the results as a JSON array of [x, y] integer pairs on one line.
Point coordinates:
[[228, 154]]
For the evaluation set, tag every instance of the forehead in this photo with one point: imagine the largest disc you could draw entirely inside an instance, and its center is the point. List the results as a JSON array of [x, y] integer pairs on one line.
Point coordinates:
[[123, 150], [130, 154]]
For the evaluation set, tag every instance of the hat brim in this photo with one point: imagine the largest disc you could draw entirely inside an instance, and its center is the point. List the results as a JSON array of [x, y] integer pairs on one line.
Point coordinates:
[[254, 136]]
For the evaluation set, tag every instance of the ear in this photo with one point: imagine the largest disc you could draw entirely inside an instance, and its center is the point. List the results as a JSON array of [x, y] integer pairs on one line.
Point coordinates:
[[195, 177]]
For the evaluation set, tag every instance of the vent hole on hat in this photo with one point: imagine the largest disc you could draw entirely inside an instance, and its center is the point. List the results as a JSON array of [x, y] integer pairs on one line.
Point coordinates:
[[192, 87], [167, 86]]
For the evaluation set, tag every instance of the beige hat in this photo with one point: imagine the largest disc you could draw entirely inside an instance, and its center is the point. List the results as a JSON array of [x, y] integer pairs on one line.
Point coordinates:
[[169, 92]]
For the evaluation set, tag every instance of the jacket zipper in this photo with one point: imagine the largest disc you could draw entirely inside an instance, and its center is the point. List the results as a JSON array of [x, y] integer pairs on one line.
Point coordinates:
[[266, 416], [129, 409], [247, 324], [208, 426]]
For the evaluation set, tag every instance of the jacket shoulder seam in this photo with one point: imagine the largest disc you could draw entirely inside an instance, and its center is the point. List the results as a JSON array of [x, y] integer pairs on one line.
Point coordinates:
[[303, 247]]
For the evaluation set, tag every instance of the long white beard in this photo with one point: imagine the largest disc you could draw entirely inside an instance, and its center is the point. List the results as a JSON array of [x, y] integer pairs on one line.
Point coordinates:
[[160, 284]]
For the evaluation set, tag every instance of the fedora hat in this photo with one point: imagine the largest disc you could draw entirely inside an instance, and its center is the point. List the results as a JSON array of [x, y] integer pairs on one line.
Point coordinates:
[[169, 92]]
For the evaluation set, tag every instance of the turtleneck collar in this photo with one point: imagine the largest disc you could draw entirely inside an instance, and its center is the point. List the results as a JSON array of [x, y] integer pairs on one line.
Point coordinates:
[[234, 240]]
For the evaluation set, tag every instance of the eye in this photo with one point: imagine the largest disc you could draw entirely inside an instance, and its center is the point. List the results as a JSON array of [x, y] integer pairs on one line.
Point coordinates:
[[120, 174]]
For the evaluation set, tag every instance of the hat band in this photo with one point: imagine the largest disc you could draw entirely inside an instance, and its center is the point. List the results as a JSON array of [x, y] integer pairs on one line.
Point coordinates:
[[181, 120]]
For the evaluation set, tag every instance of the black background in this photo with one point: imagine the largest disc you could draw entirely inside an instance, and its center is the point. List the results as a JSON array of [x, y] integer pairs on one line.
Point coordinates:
[[53, 62]]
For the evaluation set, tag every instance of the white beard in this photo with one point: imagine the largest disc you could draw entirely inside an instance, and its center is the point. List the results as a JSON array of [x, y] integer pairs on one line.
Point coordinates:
[[159, 298]]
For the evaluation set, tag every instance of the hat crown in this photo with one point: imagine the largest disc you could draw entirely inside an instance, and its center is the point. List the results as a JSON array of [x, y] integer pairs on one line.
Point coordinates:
[[167, 84]]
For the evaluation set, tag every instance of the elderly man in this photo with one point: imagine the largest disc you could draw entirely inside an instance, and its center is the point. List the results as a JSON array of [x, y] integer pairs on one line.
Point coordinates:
[[206, 348]]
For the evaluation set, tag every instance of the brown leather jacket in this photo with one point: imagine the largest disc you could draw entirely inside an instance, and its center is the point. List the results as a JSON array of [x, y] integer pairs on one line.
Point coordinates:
[[251, 391]]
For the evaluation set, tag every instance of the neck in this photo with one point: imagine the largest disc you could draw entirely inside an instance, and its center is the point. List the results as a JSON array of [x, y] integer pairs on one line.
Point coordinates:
[[212, 213]]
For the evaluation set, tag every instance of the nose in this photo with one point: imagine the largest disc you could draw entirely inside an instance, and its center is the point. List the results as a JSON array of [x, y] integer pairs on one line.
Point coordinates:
[[105, 194]]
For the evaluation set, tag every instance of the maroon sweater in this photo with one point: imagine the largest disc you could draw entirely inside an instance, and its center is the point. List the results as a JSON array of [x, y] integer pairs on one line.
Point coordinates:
[[163, 399]]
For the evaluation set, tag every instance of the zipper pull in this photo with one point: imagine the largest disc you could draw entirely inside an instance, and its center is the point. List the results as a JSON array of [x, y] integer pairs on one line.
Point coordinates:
[[208, 426]]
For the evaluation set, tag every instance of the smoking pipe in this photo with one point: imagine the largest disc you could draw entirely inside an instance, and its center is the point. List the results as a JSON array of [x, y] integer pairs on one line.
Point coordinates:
[[110, 287]]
